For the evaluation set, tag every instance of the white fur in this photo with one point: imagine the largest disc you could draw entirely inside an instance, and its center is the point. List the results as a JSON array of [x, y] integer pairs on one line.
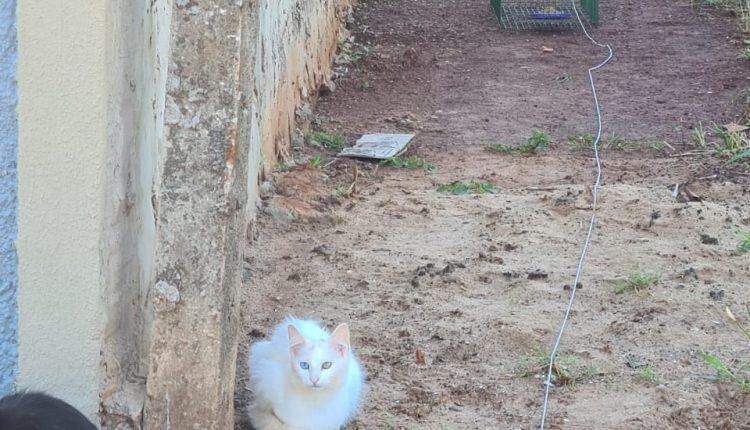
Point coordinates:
[[285, 396]]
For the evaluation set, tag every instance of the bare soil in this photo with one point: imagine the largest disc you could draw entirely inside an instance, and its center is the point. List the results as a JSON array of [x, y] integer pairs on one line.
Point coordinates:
[[455, 299]]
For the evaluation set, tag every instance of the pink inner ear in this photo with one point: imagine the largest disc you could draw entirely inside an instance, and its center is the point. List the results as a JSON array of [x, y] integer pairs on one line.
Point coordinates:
[[341, 349], [294, 349]]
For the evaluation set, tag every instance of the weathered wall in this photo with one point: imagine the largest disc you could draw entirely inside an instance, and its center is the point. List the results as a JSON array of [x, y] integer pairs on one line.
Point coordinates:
[[144, 126], [63, 82], [8, 151], [138, 58], [296, 42], [200, 218]]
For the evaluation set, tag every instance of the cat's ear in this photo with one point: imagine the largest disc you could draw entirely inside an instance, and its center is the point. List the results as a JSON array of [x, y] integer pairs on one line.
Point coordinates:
[[295, 338], [340, 339]]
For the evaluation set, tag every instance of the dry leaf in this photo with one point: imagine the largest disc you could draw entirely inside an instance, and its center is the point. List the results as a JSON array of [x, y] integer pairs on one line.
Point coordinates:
[[733, 127], [547, 49], [420, 357]]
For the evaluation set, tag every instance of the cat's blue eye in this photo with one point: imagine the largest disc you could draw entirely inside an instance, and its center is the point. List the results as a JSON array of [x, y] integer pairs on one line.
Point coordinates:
[[304, 365]]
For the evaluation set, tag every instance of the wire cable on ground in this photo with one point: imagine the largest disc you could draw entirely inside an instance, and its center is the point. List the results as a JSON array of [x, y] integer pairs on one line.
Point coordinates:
[[595, 194]]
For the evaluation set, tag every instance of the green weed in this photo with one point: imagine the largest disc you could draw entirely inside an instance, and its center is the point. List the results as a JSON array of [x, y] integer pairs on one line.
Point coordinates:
[[351, 52], [567, 369], [539, 140], [343, 190], [636, 281], [744, 245], [471, 187], [565, 77], [646, 373], [326, 140], [315, 162], [411, 162], [281, 166], [730, 141], [658, 145], [723, 371], [698, 135], [741, 373], [581, 142], [734, 145], [618, 143]]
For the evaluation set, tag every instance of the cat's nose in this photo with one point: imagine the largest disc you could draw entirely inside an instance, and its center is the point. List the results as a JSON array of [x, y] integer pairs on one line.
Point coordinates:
[[314, 381]]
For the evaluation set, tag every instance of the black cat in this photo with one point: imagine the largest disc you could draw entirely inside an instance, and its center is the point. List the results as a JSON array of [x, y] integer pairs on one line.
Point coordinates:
[[38, 411]]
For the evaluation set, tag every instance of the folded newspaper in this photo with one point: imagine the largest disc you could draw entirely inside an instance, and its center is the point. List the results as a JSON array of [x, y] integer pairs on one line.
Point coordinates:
[[378, 146]]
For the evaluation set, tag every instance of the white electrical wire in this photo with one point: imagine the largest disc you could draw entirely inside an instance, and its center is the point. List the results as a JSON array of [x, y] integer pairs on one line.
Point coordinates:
[[595, 194]]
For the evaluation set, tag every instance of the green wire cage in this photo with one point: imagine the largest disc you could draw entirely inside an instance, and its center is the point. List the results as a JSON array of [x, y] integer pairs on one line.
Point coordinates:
[[543, 14]]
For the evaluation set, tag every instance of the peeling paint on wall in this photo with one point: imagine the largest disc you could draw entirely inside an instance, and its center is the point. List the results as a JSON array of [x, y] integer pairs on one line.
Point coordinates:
[[8, 202]]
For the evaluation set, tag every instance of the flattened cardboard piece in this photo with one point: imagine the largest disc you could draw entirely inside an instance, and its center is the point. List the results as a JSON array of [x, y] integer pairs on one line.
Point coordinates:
[[378, 146]]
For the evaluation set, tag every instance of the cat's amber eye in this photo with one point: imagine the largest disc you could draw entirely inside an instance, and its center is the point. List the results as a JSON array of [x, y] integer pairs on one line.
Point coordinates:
[[304, 365], [327, 365]]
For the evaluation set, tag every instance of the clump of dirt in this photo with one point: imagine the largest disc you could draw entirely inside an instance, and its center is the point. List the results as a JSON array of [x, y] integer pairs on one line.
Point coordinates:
[[453, 298]]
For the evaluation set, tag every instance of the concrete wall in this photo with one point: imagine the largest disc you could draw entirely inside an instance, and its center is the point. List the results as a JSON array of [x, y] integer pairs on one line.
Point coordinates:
[[144, 127], [63, 81], [8, 152]]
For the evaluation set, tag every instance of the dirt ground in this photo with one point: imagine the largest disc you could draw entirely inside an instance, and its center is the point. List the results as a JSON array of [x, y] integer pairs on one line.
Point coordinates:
[[455, 299]]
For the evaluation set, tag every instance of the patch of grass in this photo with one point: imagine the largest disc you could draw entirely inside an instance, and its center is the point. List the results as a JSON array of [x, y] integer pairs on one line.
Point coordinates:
[[567, 369], [326, 140], [471, 187], [658, 145], [724, 372], [636, 281], [565, 77], [342, 190], [646, 373], [500, 148], [734, 145], [581, 142], [351, 52], [539, 140], [281, 166], [736, 372], [698, 135], [744, 245], [411, 162], [730, 141], [618, 143], [315, 162]]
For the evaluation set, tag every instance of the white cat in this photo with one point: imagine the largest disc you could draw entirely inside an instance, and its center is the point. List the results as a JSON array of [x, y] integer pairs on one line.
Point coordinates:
[[304, 378]]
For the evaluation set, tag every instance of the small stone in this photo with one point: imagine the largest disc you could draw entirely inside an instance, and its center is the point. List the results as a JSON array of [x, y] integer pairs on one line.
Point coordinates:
[[709, 240], [716, 294], [419, 356], [690, 273], [323, 250], [537, 274], [165, 297], [680, 286]]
